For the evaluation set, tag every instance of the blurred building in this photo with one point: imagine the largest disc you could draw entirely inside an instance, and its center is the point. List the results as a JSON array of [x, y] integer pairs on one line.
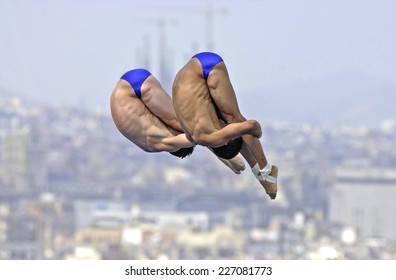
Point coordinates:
[[365, 199], [15, 160], [220, 243], [19, 231], [24, 163], [35, 229]]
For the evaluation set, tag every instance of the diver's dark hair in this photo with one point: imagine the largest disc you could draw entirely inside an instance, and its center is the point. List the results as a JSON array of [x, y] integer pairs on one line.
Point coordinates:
[[230, 150], [183, 152]]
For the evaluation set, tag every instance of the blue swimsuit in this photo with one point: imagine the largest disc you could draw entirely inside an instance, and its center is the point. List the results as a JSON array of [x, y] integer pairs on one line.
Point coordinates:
[[208, 61], [136, 78]]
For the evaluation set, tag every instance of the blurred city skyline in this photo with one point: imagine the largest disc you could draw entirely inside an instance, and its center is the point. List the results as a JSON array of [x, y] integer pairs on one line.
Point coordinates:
[[72, 187], [336, 60]]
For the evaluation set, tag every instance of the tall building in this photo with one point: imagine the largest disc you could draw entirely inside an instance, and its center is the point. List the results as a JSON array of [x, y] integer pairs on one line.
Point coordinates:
[[24, 161], [365, 199], [14, 160], [36, 160]]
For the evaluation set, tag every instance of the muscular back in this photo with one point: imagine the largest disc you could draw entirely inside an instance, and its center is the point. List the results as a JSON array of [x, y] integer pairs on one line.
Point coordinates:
[[135, 121], [193, 103]]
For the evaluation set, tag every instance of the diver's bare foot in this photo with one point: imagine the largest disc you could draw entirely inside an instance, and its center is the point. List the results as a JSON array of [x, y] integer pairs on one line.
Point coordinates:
[[255, 129], [236, 164], [271, 188]]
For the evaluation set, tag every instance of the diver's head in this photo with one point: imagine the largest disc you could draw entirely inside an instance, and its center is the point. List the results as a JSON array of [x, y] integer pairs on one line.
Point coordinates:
[[183, 152]]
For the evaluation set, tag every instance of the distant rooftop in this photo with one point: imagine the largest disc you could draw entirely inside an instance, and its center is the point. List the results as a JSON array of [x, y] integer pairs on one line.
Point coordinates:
[[366, 174]]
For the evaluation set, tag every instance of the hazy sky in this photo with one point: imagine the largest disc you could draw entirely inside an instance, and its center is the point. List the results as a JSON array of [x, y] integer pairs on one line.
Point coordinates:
[[73, 51]]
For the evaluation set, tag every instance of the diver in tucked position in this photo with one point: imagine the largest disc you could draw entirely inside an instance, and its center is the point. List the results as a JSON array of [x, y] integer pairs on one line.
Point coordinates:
[[143, 112], [207, 109]]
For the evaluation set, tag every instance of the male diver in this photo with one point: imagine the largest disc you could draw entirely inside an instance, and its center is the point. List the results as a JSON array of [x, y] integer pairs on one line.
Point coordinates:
[[207, 109], [143, 112]]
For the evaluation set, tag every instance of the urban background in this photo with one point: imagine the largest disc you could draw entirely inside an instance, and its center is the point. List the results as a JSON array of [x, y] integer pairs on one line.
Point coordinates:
[[72, 187]]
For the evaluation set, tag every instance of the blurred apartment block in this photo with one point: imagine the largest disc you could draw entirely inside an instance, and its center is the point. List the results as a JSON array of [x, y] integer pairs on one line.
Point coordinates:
[[31, 229], [23, 166], [364, 198]]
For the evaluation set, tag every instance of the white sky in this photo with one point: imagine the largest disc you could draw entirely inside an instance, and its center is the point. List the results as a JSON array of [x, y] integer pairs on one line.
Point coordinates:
[[69, 51]]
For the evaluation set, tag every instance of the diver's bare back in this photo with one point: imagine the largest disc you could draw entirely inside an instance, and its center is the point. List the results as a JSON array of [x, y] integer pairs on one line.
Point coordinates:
[[192, 101], [134, 120]]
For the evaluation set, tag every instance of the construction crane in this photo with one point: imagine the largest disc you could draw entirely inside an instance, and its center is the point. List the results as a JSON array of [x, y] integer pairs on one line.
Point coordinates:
[[210, 12], [165, 54]]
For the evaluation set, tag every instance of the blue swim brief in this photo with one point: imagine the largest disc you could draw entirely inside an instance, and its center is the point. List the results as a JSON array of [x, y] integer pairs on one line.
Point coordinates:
[[208, 61], [136, 78]]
